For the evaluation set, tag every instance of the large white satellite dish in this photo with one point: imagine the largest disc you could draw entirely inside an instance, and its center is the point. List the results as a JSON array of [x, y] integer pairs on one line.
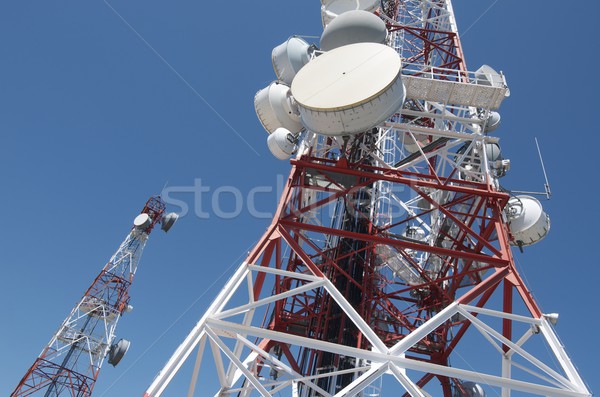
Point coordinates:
[[349, 89]]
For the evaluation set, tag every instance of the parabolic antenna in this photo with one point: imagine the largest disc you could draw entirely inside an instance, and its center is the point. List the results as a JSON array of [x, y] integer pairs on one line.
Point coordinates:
[[330, 9], [142, 221], [493, 152], [492, 122], [168, 221], [117, 351], [353, 27], [274, 108], [289, 57], [528, 223], [281, 143], [411, 144], [473, 389], [349, 89]]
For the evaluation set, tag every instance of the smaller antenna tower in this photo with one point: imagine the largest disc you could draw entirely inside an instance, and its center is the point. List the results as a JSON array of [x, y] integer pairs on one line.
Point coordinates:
[[70, 363]]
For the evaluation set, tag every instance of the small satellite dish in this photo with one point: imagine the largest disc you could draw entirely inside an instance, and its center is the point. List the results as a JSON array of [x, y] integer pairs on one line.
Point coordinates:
[[527, 221], [349, 89], [493, 152], [117, 351], [473, 389], [411, 144], [289, 57], [492, 122], [331, 9], [281, 143], [142, 221], [275, 108], [353, 27], [168, 221]]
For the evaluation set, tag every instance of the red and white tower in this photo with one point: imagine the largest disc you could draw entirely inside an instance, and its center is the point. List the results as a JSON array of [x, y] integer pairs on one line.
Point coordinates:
[[389, 257], [70, 364]]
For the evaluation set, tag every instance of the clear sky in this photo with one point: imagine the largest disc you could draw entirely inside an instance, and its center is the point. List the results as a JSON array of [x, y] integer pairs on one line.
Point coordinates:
[[103, 102]]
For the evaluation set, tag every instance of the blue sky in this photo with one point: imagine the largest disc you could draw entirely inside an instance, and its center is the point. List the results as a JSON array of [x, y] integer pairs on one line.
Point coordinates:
[[95, 118]]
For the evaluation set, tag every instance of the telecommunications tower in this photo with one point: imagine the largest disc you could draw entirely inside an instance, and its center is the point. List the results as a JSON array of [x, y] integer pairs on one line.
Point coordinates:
[[70, 364], [388, 264]]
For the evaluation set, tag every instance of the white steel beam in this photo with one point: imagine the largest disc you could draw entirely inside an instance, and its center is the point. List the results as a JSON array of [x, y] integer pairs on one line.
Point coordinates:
[[294, 375], [361, 382], [249, 375], [408, 384], [183, 351], [270, 299], [197, 364], [561, 355], [401, 362], [486, 328], [425, 329]]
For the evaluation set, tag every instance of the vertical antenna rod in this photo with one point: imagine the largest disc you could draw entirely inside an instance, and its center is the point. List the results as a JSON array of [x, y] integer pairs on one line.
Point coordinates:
[[546, 184]]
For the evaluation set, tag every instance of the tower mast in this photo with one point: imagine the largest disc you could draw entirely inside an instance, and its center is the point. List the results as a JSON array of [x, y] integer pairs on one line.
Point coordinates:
[[70, 363], [390, 251]]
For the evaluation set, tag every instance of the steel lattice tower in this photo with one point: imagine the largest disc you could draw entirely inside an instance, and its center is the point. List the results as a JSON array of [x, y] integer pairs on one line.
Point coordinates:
[[390, 251], [70, 364]]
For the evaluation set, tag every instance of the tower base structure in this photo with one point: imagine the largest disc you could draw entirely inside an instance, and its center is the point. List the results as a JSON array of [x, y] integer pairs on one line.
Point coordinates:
[[320, 311]]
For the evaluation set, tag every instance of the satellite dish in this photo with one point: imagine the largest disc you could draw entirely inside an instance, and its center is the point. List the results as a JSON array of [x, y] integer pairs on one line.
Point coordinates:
[[289, 57], [493, 152], [412, 145], [281, 143], [330, 9], [353, 27], [275, 108], [472, 389], [528, 223], [142, 221], [168, 221], [492, 122], [117, 351], [349, 89]]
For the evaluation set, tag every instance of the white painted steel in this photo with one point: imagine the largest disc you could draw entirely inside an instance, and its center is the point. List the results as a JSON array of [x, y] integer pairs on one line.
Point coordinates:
[[361, 382], [197, 365], [180, 355], [560, 352], [232, 329], [270, 299], [484, 328], [427, 87]]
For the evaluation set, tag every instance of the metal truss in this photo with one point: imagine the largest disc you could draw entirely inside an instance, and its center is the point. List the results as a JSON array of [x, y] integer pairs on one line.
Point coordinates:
[[389, 256], [70, 364], [417, 299]]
